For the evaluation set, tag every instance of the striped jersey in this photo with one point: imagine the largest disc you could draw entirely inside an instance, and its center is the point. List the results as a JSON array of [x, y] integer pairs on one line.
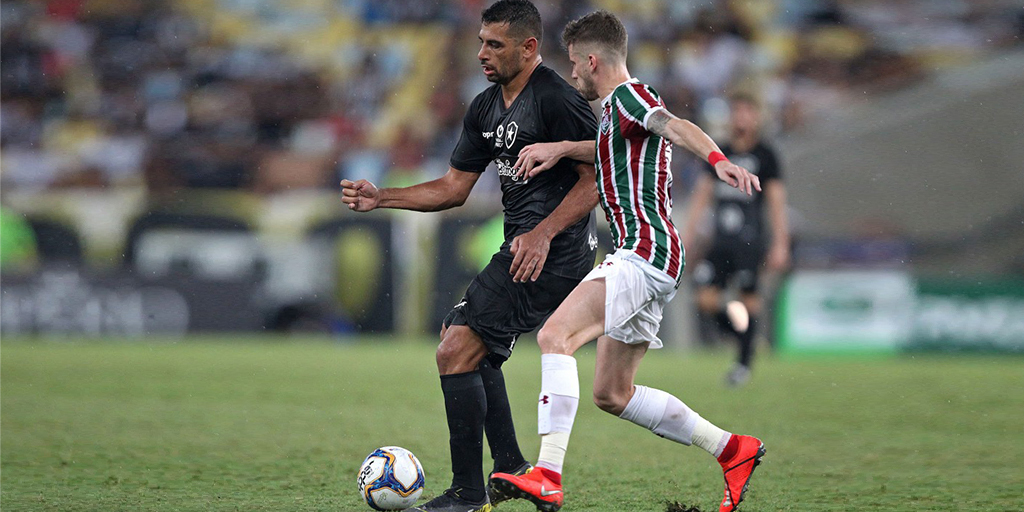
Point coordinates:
[[634, 178]]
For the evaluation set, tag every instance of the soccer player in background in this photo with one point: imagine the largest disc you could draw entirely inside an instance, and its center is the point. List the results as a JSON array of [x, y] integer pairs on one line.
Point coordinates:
[[621, 301], [738, 248], [550, 239]]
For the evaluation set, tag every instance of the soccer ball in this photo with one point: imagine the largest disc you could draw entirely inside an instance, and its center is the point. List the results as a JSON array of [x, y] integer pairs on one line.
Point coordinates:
[[391, 478]]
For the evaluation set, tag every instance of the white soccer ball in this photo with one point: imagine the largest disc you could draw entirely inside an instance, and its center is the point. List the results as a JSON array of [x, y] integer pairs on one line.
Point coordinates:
[[391, 478]]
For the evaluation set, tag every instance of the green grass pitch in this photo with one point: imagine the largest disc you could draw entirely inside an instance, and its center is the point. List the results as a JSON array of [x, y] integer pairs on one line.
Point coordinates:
[[283, 425]]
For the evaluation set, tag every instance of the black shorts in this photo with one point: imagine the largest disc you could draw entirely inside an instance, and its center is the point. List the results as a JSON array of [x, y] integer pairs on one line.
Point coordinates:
[[731, 261], [499, 310]]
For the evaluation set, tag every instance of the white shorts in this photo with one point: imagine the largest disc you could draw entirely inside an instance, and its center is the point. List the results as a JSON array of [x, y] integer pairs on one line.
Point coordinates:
[[635, 296]]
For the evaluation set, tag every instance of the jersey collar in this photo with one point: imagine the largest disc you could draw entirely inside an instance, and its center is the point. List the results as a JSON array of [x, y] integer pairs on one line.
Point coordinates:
[[608, 99]]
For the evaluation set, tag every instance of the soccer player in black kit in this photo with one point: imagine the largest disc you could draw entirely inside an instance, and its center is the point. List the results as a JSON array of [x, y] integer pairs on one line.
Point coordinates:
[[550, 240], [740, 235]]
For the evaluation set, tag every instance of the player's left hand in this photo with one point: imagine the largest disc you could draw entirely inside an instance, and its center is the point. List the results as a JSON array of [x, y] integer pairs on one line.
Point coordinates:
[[529, 253], [737, 176], [537, 158]]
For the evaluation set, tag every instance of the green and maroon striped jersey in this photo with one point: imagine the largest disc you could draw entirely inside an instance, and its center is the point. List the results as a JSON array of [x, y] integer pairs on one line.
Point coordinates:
[[635, 180]]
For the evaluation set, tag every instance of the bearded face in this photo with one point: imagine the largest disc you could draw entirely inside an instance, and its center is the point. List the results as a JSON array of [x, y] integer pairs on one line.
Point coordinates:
[[587, 86], [581, 73]]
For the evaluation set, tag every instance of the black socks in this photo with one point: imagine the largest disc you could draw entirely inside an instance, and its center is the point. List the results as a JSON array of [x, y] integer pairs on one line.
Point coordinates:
[[501, 433], [473, 402], [724, 324], [745, 338], [747, 342], [465, 404]]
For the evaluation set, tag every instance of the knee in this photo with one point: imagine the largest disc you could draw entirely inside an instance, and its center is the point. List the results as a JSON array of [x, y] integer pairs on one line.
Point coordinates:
[[455, 355], [552, 340], [610, 401], [707, 301], [451, 359], [752, 303], [445, 356]]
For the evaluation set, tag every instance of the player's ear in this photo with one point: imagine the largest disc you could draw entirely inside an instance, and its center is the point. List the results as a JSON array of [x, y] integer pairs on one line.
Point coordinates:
[[592, 62], [530, 47]]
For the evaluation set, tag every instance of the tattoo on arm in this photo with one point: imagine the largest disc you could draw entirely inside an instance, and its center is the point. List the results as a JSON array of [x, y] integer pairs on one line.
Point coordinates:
[[658, 122]]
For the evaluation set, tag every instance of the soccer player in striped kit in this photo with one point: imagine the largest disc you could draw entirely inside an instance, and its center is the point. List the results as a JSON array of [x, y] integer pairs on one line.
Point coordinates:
[[621, 301]]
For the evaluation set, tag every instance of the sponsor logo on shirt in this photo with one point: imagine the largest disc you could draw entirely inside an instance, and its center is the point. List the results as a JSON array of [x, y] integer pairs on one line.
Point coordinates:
[[505, 169]]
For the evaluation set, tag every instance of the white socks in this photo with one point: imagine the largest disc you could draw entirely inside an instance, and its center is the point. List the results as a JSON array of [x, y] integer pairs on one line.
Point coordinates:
[[653, 409], [668, 417], [556, 408]]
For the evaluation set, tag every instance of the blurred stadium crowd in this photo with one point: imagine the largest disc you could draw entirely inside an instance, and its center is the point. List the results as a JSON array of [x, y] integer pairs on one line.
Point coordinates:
[[268, 95]]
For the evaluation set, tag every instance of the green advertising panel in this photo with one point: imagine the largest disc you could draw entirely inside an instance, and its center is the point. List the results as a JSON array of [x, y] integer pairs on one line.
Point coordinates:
[[887, 311], [845, 311], [969, 314]]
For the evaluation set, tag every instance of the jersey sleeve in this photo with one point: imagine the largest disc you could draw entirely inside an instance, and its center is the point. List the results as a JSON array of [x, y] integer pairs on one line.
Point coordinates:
[[567, 116], [471, 153], [635, 102]]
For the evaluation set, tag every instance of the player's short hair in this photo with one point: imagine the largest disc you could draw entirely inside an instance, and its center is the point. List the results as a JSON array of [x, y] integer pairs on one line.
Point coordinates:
[[600, 28], [522, 17], [745, 97]]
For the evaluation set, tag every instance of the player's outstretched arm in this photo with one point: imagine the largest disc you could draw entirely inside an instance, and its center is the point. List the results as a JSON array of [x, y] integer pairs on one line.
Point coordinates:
[[530, 250], [537, 158], [688, 135], [446, 192]]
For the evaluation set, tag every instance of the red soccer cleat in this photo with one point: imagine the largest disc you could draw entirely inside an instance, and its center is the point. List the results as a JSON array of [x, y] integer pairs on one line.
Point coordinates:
[[741, 455], [541, 486]]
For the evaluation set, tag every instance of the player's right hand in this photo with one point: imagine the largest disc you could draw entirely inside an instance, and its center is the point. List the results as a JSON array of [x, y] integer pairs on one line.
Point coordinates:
[[361, 196], [529, 253], [737, 177], [537, 158]]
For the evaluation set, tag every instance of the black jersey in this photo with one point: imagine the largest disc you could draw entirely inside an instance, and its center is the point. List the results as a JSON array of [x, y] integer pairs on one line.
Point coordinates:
[[738, 217], [547, 110]]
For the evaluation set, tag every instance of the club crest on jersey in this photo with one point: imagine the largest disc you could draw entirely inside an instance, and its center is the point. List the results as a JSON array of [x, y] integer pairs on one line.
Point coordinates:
[[506, 135], [606, 122], [510, 134]]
